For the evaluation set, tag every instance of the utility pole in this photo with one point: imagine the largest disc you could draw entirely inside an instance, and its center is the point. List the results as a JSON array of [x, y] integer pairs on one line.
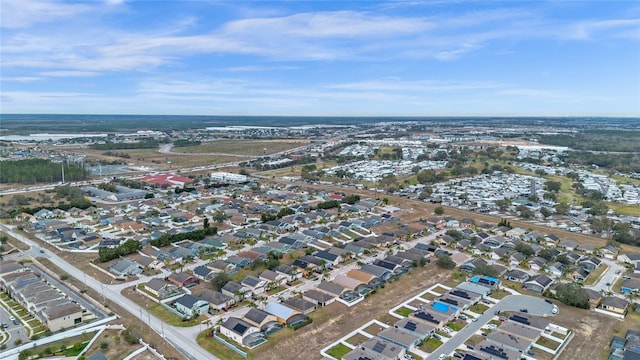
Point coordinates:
[[62, 172]]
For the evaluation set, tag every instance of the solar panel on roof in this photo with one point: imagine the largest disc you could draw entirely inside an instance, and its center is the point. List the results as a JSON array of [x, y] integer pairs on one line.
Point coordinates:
[[495, 351], [460, 293], [520, 319], [379, 347], [426, 317], [449, 301], [239, 328], [411, 326]]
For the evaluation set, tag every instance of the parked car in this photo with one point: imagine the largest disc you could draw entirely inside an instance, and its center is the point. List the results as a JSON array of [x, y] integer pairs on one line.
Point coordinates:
[[4, 325], [524, 310], [463, 317], [549, 301], [474, 319]]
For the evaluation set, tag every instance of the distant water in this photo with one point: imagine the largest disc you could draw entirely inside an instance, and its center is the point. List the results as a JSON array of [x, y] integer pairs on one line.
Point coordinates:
[[43, 123]]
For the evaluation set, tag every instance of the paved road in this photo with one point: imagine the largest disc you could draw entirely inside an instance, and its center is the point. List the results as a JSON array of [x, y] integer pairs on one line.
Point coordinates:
[[534, 305], [609, 277], [15, 331], [182, 340]]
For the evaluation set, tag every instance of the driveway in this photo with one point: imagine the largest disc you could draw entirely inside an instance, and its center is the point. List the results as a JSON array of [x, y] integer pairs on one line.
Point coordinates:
[[534, 305]]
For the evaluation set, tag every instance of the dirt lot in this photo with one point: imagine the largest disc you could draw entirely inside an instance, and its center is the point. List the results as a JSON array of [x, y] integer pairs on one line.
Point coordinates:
[[116, 347], [242, 147], [336, 320], [593, 331]]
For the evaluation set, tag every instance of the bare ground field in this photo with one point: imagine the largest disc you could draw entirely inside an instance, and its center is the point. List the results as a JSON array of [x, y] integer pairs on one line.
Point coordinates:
[[116, 347], [593, 331], [242, 147], [336, 320]]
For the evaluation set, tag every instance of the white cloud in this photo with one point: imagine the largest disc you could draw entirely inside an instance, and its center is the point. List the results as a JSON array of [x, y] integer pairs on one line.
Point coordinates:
[[23, 13], [69, 73]]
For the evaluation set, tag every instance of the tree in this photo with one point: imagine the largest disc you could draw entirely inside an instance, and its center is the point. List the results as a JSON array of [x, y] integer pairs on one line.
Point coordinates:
[[552, 186], [549, 196], [545, 212], [486, 270], [572, 294], [439, 210], [524, 211], [445, 262], [220, 280], [503, 204], [524, 248], [533, 198], [205, 223], [504, 222], [546, 254], [562, 208], [219, 216]]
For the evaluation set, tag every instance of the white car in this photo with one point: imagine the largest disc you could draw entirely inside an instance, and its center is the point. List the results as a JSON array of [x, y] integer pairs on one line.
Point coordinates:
[[442, 356], [554, 310]]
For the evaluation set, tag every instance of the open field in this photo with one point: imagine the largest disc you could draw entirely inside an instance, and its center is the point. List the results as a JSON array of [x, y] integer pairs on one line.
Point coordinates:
[[592, 331], [624, 209], [295, 170], [116, 347], [242, 147]]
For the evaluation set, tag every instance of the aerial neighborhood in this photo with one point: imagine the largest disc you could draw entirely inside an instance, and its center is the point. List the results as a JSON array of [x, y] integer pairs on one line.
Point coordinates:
[[392, 248]]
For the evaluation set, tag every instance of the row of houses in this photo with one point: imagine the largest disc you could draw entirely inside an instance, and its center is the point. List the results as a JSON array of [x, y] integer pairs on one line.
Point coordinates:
[[48, 304]]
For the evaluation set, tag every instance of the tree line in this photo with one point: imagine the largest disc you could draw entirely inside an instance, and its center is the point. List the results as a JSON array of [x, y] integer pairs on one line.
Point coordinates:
[[31, 171], [195, 235], [128, 247]]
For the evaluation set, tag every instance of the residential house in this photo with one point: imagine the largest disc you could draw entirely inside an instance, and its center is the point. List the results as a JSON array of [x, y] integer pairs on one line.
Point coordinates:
[[125, 267], [557, 269], [379, 349], [538, 284], [568, 245], [537, 263], [161, 288], [517, 276], [220, 266], [203, 273], [398, 337], [217, 300], [258, 318], [331, 288], [63, 316], [183, 279], [239, 331], [300, 304], [420, 329], [609, 252], [632, 258], [377, 271], [579, 274], [255, 285], [590, 263], [516, 258], [473, 264], [191, 306], [594, 297], [329, 257], [273, 279], [284, 314], [318, 298], [237, 261], [291, 273], [630, 286], [614, 304], [236, 291]]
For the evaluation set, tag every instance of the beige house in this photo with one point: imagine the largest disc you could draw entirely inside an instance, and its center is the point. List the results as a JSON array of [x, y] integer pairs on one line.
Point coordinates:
[[62, 317]]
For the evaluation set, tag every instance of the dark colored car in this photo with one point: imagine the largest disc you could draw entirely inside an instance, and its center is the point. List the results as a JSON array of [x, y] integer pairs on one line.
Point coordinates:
[[549, 301]]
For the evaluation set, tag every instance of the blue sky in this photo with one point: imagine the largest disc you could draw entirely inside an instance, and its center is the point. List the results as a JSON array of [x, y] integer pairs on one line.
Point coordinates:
[[414, 58]]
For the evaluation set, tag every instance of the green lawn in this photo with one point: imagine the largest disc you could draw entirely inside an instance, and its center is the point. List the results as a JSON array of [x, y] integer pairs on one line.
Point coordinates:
[[478, 308], [633, 210], [499, 294], [404, 311], [548, 343], [430, 345], [595, 275], [217, 348], [454, 326], [338, 351], [276, 290], [171, 318]]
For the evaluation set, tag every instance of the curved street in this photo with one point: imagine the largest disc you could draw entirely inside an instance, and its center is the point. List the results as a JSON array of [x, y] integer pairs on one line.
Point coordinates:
[[534, 305]]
